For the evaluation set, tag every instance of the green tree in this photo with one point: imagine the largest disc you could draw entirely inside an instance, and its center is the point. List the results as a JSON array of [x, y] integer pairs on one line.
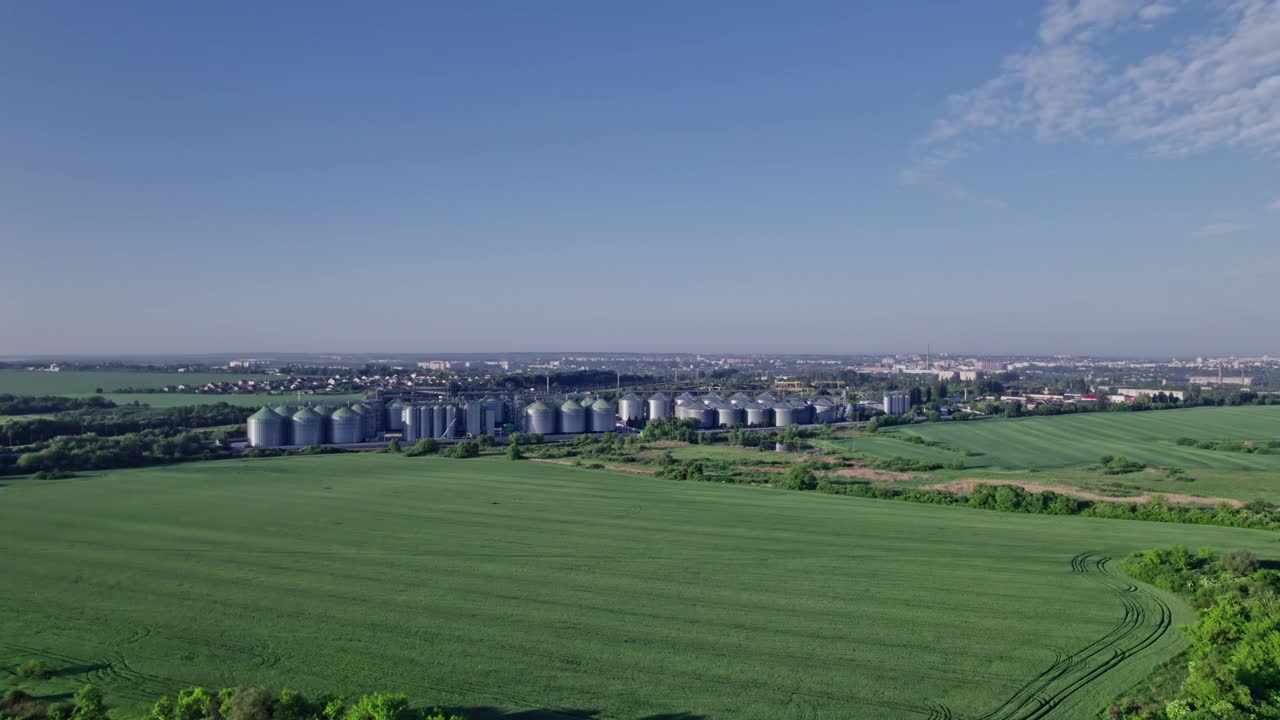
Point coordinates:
[[393, 446], [89, 704], [162, 710], [801, 477], [194, 703], [377, 706]]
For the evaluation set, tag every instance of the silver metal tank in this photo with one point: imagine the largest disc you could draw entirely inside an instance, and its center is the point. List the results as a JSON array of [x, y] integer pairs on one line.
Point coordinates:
[[631, 409], [377, 417], [803, 413], [426, 422], [452, 421], [758, 415], [825, 410], [439, 421], [266, 429], [306, 428], [729, 415], [497, 410], [285, 411], [540, 419], [366, 428], [783, 415], [659, 406], [347, 426], [573, 418], [395, 416], [686, 399], [705, 416], [325, 412], [602, 417], [740, 399], [474, 412], [409, 427]]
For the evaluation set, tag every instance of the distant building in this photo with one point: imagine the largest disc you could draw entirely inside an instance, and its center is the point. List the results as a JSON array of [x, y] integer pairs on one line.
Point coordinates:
[[1215, 380], [1149, 393], [436, 365], [897, 403], [970, 375], [992, 365]]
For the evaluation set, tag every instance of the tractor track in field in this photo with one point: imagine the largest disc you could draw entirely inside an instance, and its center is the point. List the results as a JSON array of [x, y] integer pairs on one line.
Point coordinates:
[[1145, 621], [112, 672]]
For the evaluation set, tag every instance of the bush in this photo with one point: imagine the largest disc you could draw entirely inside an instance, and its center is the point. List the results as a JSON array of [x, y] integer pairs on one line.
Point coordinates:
[[801, 477], [34, 670], [1240, 562], [425, 446], [464, 449]]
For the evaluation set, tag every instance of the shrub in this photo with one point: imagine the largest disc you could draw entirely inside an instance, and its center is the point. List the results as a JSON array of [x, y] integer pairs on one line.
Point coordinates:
[[252, 703], [1240, 562], [425, 446], [376, 706], [464, 449], [801, 477], [34, 670]]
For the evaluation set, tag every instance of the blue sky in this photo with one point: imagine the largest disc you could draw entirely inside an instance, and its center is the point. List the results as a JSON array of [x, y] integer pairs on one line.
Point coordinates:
[[1076, 176]]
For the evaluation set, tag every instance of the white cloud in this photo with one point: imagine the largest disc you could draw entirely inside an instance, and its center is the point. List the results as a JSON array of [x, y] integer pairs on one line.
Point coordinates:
[[1219, 229], [1220, 88], [1274, 206]]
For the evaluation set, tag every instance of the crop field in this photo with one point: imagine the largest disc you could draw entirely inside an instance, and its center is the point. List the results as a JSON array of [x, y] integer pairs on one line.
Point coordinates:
[[1149, 437], [71, 382], [165, 400], [545, 591]]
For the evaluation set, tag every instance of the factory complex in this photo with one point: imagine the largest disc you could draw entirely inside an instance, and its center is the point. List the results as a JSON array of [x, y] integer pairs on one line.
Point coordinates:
[[376, 419]]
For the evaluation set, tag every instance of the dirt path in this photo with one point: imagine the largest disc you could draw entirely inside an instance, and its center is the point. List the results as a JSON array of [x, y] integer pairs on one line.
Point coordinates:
[[969, 484], [619, 468]]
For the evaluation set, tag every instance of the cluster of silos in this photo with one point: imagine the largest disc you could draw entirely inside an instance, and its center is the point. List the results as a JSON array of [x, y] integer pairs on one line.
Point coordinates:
[[291, 426], [573, 416], [419, 421]]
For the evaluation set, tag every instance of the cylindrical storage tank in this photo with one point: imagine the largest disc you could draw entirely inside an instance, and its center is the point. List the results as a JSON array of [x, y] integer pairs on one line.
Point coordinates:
[[631, 409], [803, 413], [409, 427], [306, 428], [266, 429], [395, 416], [325, 412], [602, 417], [377, 417], [424, 429], [825, 411], [705, 416], [659, 406], [366, 426], [347, 426], [540, 419], [573, 418], [285, 412], [783, 415], [497, 410], [451, 421], [475, 418], [740, 399], [438, 421], [758, 415], [729, 416], [686, 399]]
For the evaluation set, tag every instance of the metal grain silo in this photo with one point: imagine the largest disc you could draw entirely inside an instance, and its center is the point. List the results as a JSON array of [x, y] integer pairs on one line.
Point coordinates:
[[758, 414], [410, 430], [783, 414], [802, 412], [705, 416], [631, 409], [684, 399], [347, 426], [474, 410], [602, 417], [285, 411], [439, 421], [497, 410], [740, 399], [395, 416], [728, 414], [366, 426], [452, 421], [659, 406], [825, 410], [426, 422], [306, 428], [767, 399], [540, 419], [266, 429], [377, 417], [573, 418]]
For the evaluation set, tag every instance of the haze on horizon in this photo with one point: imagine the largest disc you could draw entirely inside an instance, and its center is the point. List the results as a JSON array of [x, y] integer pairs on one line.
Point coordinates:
[[1005, 177]]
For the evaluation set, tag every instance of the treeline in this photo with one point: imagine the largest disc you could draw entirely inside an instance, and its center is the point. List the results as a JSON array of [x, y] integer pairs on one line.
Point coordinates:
[[118, 420], [235, 703], [1257, 515], [32, 404], [1270, 447], [576, 380], [72, 453], [1233, 662]]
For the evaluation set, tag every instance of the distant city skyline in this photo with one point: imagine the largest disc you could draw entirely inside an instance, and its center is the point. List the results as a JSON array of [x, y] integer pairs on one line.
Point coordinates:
[[1004, 177]]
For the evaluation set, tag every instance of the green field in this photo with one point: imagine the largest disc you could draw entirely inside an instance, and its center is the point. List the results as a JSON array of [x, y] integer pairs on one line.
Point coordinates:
[[165, 400], [72, 382], [549, 591]]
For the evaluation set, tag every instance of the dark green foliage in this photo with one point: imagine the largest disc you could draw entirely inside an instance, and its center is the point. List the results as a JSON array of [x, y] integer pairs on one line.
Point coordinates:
[[463, 449], [485, 440], [1234, 660], [684, 430], [118, 420], [89, 704], [34, 670], [34, 404], [1120, 465], [901, 464], [513, 448], [393, 446], [801, 477], [425, 446], [91, 452]]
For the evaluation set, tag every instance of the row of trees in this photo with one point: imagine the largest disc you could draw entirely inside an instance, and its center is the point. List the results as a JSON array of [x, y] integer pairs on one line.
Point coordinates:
[[73, 453], [118, 420], [234, 703], [32, 404]]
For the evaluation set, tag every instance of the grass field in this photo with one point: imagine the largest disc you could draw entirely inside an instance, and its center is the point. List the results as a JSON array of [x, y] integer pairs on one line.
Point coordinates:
[[71, 382], [165, 400], [549, 591]]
